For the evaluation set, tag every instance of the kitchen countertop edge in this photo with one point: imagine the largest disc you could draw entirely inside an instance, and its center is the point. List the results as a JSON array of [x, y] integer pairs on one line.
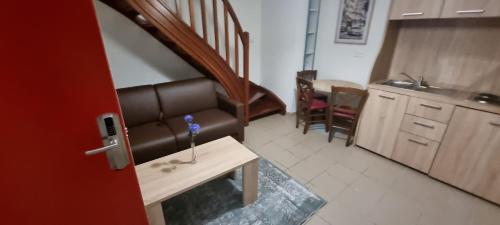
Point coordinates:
[[461, 99]]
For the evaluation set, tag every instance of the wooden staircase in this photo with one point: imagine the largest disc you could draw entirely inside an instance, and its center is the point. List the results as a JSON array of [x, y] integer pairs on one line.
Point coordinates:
[[192, 30]]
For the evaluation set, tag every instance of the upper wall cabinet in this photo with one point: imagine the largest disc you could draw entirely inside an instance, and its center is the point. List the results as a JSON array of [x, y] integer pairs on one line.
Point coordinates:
[[416, 9], [470, 8]]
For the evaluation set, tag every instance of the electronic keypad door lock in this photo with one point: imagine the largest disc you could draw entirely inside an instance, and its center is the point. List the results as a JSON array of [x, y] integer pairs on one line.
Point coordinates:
[[112, 139]]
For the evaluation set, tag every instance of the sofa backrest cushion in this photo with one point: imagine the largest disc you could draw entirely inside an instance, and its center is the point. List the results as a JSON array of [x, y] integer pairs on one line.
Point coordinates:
[[139, 105], [186, 96]]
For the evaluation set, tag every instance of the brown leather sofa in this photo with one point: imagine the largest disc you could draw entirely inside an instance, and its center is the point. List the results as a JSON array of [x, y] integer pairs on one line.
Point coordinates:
[[154, 116]]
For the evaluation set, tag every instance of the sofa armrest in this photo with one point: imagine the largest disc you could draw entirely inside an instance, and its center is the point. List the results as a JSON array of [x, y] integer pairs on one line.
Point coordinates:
[[230, 106], [234, 108]]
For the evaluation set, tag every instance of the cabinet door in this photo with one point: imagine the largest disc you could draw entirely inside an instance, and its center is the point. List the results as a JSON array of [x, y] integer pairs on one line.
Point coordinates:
[[469, 156], [380, 121], [415, 9], [471, 8]]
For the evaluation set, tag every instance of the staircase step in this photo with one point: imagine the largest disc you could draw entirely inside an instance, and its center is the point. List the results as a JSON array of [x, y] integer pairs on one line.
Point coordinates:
[[256, 96], [265, 107]]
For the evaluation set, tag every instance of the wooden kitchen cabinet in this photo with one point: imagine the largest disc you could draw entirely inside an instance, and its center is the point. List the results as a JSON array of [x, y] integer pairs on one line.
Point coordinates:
[[469, 156], [470, 8], [380, 120], [415, 9]]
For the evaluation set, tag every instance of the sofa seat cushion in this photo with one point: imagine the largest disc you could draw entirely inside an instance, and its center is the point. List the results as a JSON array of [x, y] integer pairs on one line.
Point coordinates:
[[214, 124], [151, 141]]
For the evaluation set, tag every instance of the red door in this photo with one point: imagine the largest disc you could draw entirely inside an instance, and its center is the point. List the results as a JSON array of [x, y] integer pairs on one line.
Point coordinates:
[[54, 82]]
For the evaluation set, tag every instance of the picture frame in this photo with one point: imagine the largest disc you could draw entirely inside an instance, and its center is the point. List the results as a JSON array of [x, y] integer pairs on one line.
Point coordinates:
[[354, 20]]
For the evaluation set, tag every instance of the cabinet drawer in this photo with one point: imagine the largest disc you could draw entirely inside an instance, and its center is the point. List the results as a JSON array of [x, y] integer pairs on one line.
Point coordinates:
[[414, 151], [423, 127], [430, 109]]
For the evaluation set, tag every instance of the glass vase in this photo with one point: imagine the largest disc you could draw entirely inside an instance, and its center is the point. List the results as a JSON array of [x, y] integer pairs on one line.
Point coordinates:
[[193, 154]]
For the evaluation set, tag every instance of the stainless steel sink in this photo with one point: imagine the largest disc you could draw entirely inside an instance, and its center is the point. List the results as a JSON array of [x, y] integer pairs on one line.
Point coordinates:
[[412, 86], [400, 84]]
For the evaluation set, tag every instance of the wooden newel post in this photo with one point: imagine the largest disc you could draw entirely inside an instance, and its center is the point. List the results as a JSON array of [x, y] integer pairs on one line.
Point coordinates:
[[246, 74]]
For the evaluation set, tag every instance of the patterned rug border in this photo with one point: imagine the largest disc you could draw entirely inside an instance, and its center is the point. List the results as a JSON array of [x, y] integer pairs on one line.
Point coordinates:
[[291, 177]]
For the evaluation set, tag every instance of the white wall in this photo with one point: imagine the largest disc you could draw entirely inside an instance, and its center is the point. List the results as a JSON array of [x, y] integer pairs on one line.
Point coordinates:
[[136, 57], [250, 16], [348, 61], [283, 38]]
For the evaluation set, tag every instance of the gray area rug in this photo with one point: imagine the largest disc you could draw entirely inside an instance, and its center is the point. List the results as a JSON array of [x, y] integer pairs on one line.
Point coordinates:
[[281, 201]]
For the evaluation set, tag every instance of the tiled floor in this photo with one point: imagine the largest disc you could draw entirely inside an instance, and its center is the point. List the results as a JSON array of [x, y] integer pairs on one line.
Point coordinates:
[[362, 188]]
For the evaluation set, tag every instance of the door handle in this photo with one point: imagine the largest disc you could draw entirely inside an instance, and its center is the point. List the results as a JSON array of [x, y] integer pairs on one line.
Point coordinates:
[[417, 142], [470, 11], [113, 143], [412, 14], [387, 97], [424, 125], [431, 106]]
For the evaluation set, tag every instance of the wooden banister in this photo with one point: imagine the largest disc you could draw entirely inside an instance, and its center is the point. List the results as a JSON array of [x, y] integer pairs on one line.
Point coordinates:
[[233, 16], [226, 32], [246, 74], [236, 52], [204, 20], [171, 23], [216, 25], [192, 18]]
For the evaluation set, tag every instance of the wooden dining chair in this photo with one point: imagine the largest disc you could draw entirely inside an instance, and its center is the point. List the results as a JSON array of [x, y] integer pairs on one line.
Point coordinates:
[[309, 75], [309, 109], [346, 104]]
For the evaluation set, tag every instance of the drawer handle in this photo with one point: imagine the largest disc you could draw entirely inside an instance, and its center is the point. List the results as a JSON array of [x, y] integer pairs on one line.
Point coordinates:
[[424, 125], [413, 14], [387, 97], [418, 142], [470, 11], [495, 124], [431, 106]]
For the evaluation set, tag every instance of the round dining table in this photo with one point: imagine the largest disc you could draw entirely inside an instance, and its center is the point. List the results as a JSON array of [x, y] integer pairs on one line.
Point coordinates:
[[326, 85]]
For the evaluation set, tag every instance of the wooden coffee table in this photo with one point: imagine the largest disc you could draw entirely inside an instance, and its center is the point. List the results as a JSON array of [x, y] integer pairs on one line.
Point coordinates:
[[166, 177]]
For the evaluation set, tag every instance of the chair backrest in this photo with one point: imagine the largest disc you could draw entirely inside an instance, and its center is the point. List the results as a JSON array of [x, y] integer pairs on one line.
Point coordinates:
[[307, 74], [305, 92], [352, 98]]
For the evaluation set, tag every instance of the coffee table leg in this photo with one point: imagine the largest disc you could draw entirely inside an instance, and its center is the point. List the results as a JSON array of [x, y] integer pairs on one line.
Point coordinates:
[[155, 214], [250, 181]]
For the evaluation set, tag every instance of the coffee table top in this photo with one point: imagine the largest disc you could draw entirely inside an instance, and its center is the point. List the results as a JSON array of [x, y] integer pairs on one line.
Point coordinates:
[[169, 176]]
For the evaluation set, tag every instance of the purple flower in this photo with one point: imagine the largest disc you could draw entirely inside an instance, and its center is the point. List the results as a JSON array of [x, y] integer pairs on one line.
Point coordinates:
[[188, 118], [194, 128]]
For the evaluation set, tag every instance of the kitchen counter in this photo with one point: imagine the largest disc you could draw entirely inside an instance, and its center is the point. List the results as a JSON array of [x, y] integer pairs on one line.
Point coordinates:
[[460, 98]]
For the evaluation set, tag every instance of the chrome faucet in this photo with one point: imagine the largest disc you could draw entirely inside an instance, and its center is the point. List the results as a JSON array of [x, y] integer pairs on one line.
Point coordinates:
[[419, 82]]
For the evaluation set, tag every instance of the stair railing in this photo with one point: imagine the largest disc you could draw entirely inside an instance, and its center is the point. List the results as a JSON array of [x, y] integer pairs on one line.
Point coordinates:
[[180, 9]]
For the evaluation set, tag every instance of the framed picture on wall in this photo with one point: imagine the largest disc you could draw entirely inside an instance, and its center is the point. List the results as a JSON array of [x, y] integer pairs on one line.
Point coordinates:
[[354, 21]]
